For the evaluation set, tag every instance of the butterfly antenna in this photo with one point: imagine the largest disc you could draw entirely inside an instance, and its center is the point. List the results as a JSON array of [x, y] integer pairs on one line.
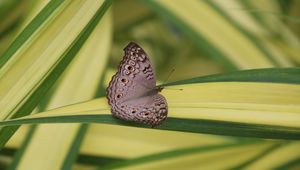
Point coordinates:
[[169, 75], [168, 88]]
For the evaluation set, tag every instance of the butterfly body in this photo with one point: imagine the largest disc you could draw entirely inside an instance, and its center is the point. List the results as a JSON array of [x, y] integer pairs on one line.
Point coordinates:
[[132, 92]]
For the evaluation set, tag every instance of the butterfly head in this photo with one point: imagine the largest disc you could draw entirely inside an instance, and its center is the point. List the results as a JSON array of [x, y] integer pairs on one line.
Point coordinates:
[[159, 88]]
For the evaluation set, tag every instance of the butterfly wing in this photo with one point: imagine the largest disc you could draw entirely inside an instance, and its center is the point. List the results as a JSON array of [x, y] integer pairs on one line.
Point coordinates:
[[135, 76], [132, 93], [151, 109]]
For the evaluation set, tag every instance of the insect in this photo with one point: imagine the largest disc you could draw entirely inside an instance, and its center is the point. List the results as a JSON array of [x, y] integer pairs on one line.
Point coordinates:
[[132, 92]]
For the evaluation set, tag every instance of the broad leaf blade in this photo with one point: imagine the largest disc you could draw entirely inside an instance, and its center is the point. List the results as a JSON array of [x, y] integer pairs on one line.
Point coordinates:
[[229, 108], [45, 77]]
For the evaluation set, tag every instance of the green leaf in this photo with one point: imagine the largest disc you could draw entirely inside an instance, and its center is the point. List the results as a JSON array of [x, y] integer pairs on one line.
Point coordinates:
[[272, 75], [32, 28], [224, 108], [163, 157], [219, 37], [46, 82]]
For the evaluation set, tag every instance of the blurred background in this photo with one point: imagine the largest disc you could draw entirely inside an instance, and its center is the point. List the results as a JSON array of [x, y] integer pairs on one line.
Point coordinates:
[[209, 36], [196, 38]]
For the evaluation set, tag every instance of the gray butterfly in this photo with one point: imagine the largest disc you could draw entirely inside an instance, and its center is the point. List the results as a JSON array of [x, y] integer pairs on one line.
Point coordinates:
[[132, 92]]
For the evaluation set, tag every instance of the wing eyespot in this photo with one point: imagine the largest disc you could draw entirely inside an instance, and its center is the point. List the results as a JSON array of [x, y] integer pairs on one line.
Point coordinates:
[[124, 80], [126, 72], [118, 96], [132, 57], [129, 67]]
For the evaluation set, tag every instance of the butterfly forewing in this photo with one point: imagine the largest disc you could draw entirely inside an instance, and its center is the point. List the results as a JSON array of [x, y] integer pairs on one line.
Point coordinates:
[[132, 93]]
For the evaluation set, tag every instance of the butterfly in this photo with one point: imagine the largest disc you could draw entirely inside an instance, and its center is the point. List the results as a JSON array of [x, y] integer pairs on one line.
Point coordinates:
[[132, 92]]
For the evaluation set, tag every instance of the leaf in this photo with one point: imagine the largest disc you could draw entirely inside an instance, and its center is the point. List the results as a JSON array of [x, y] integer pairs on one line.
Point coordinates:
[[272, 75], [252, 109], [33, 27], [288, 154], [217, 35], [196, 156], [42, 78], [94, 53]]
